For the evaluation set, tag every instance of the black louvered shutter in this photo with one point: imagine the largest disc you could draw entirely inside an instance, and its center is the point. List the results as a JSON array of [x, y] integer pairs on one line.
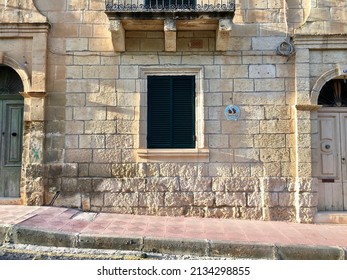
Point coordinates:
[[159, 112], [183, 112], [171, 112]]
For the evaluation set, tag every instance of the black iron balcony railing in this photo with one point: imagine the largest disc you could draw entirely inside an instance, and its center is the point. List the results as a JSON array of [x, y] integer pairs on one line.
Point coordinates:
[[170, 5]]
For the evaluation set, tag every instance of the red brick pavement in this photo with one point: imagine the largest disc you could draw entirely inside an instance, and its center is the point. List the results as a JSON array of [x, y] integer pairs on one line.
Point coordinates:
[[109, 224]]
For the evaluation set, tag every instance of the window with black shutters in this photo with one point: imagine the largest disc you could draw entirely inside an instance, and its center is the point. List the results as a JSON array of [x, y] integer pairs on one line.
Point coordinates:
[[171, 112]]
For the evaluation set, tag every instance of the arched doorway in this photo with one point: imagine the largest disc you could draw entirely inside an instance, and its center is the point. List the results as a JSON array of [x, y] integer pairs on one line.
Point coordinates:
[[332, 146], [11, 132]]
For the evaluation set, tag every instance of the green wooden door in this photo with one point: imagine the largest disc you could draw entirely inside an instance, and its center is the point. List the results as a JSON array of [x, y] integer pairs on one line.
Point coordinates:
[[11, 127], [11, 132]]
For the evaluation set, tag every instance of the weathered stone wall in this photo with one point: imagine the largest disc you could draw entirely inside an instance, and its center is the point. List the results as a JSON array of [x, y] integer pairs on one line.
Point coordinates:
[[326, 17], [259, 167], [93, 118]]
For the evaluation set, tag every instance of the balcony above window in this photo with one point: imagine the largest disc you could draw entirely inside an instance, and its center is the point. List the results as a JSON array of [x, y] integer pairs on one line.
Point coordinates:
[[162, 9], [170, 16]]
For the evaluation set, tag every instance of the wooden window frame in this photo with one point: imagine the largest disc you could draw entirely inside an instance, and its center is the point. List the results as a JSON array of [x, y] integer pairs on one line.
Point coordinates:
[[198, 154]]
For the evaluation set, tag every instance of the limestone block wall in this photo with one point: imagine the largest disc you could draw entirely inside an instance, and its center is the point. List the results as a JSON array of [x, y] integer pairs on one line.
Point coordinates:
[[326, 17], [95, 121]]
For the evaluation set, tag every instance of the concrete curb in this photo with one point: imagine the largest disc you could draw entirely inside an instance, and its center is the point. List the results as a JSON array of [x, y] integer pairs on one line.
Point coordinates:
[[24, 235], [176, 246], [238, 250], [301, 252], [4, 229], [89, 241]]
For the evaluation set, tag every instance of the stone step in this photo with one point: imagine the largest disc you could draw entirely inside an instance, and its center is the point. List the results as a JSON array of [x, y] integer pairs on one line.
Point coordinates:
[[329, 217]]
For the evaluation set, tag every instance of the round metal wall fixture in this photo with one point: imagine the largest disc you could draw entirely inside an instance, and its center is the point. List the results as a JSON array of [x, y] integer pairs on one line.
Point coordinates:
[[232, 112], [286, 48]]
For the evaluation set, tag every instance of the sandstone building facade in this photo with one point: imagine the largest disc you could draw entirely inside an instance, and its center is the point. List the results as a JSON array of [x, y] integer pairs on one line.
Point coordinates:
[[199, 108]]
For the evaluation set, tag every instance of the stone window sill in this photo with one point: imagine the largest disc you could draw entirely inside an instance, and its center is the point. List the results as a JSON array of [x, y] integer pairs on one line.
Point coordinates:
[[173, 155]]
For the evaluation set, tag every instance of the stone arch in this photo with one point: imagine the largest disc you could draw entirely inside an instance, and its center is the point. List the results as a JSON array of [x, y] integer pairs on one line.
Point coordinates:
[[339, 70], [21, 71]]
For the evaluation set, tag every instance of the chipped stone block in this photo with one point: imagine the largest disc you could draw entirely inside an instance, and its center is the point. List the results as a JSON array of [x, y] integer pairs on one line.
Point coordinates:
[[282, 214], [223, 212], [163, 184], [195, 184], [179, 199], [230, 199], [99, 170], [151, 200], [204, 199], [107, 185], [121, 199]]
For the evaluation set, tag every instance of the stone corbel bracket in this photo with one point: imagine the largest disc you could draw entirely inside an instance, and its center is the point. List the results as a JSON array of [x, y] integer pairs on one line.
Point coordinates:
[[170, 35], [223, 34], [118, 35]]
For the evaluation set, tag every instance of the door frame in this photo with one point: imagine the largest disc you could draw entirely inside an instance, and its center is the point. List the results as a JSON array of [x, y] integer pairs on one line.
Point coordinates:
[[342, 149], [22, 73], [11, 63]]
